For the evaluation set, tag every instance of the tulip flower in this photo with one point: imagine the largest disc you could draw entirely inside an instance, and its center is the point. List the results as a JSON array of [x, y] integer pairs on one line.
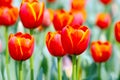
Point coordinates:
[[6, 3], [55, 39], [74, 42], [101, 51], [8, 16], [61, 19], [103, 20], [78, 4], [77, 20], [31, 14], [54, 45], [117, 31], [106, 2], [20, 46], [72, 39], [47, 17]]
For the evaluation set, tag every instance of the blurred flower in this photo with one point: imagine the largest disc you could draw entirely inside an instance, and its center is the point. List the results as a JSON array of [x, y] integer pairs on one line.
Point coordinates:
[[103, 20], [78, 19], [101, 51], [54, 45], [31, 14], [78, 4], [106, 2], [6, 3], [8, 16], [61, 19], [51, 1], [75, 41], [117, 31], [47, 17], [82, 12], [67, 66], [20, 46]]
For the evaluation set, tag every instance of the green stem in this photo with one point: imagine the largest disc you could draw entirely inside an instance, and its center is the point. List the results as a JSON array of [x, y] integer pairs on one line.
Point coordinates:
[[16, 70], [20, 71], [74, 67], [32, 62], [59, 68], [78, 67], [99, 71], [2, 68], [7, 56], [32, 68]]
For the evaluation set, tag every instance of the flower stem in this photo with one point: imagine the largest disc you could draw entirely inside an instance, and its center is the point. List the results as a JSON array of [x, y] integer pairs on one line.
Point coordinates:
[[32, 62], [74, 67], [20, 71], [99, 71], [78, 67], [7, 56], [59, 68], [32, 68]]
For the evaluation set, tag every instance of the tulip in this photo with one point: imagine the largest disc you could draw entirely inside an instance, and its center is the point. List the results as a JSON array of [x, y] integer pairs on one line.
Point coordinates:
[[106, 2], [54, 45], [55, 39], [20, 46], [5, 3], [101, 51], [47, 17], [78, 4], [31, 14], [61, 19], [117, 31], [103, 20], [77, 20], [75, 41], [8, 16]]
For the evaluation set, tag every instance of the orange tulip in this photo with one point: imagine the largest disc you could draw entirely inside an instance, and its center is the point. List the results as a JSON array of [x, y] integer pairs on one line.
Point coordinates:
[[78, 4], [61, 19], [6, 3], [31, 14], [117, 31], [8, 16], [20, 46], [103, 20], [75, 41], [101, 51], [54, 45], [106, 2]]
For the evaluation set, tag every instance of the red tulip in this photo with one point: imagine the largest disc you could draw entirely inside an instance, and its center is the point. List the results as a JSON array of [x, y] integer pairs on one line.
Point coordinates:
[[61, 19], [117, 31], [106, 2], [8, 16], [20, 46], [75, 41], [6, 3], [31, 14], [101, 51], [54, 45], [103, 20]]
